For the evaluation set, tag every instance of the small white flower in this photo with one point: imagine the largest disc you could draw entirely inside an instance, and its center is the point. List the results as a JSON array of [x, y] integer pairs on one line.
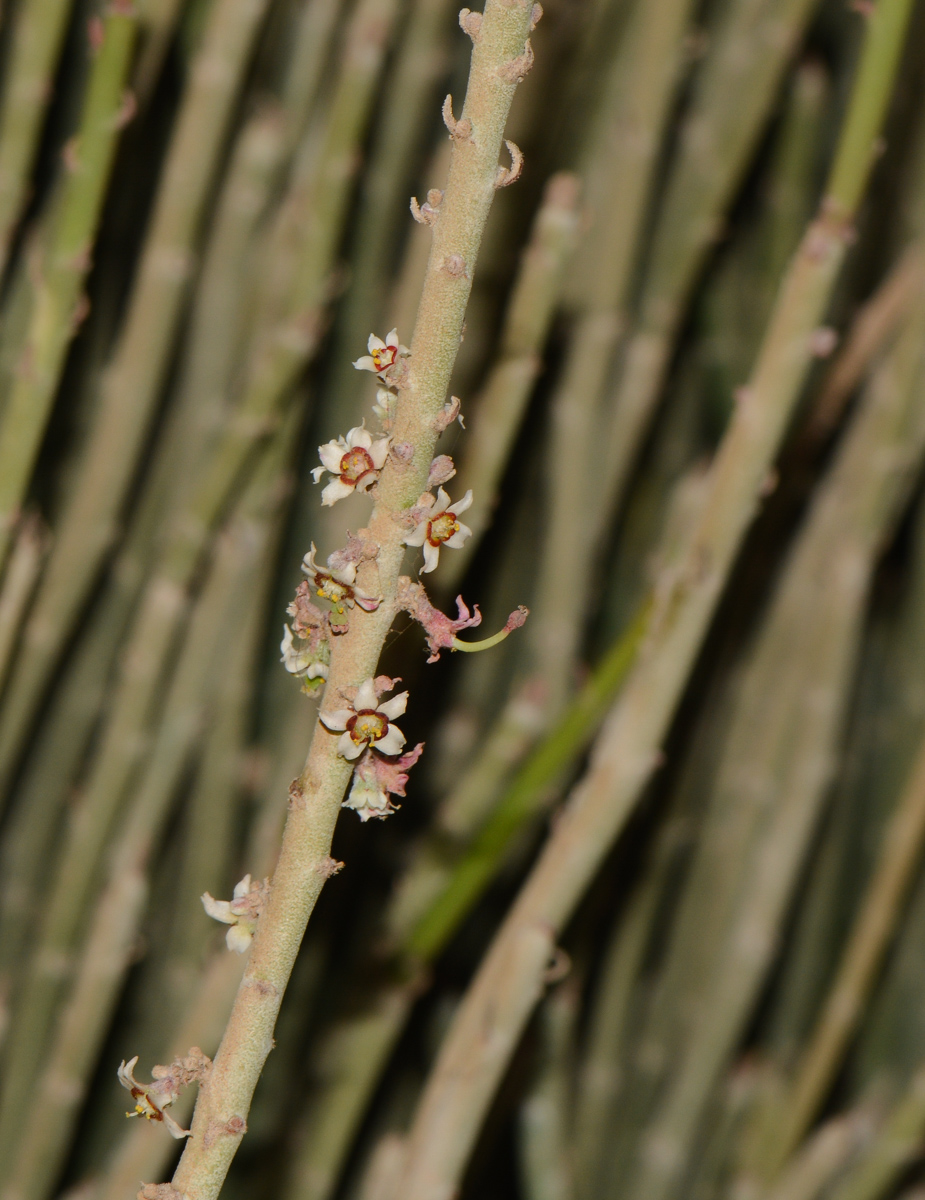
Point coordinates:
[[151, 1099], [356, 460], [367, 723], [241, 912], [338, 586], [383, 355], [439, 527], [384, 408], [301, 660]]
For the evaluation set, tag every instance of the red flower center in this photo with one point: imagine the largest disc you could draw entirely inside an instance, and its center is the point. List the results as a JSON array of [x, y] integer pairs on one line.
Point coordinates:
[[442, 528], [355, 464], [384, 358], [368, 726]]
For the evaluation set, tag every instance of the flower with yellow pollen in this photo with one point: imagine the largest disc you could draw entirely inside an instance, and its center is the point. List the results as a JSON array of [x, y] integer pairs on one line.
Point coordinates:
[[383, 355], [151, 1098], [367, 722], [355, 460], [338, 585], [439, 525]]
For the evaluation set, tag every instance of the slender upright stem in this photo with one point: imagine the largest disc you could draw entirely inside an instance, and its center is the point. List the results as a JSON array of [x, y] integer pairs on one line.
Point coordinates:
[[221, 1113]]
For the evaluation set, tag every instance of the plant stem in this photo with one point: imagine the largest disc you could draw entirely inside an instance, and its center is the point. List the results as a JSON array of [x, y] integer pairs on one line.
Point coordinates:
[[132, 384], [63, 262], [19, 581], [37, 39], [221, 1112], [502, 401]]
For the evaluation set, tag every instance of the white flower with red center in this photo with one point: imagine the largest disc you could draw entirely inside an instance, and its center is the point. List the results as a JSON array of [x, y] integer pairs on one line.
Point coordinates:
[[338, 585], [367, 722], [356, 460], [383, 355], [439, 525], [151, 1099]]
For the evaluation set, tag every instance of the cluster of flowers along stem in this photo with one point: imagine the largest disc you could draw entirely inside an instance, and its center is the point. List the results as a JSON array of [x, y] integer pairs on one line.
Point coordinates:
[[330, 598]]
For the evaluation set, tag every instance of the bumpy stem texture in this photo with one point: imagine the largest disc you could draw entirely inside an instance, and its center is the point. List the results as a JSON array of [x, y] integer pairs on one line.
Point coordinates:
[[498, 63]]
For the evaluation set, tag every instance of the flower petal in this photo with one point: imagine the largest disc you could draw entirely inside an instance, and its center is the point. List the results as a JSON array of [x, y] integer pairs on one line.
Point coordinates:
[[365, 363], [392, 742], [175, 1130], [126, 1073], [366, 696], [347, 747], [218, 910], [443, 500], [375, 343], [336, 721], [459, 538], [379, 452], [395, 707], [331, 453], [359, 436], [431, 558], [336, 490], [418, 537], [461, 505], [239, 938]]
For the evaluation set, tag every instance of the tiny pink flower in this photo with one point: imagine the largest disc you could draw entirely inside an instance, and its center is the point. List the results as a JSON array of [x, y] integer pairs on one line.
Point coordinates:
[[338, 584], [356, 460], [376, 780], [439, 525], [383, 355], [367, 722]]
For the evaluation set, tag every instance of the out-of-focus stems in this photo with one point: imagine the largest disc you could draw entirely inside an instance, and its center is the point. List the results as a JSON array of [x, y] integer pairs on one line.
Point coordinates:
[[617, 185], [853, 513], [46, 1125], [37, 39], [132, 383], [871, 330], [62, 262], [749, 52], [159, 19], [311, 47], [222, 308], [524, 795], [546, 1131], [823, 1157], [22, 572], [868, 942], [162, 608], [502, 401], [490, 1019], [896, 1145]]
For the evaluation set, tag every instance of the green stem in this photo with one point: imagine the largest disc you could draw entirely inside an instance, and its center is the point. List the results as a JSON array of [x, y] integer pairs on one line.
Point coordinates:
[[64, 259]]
